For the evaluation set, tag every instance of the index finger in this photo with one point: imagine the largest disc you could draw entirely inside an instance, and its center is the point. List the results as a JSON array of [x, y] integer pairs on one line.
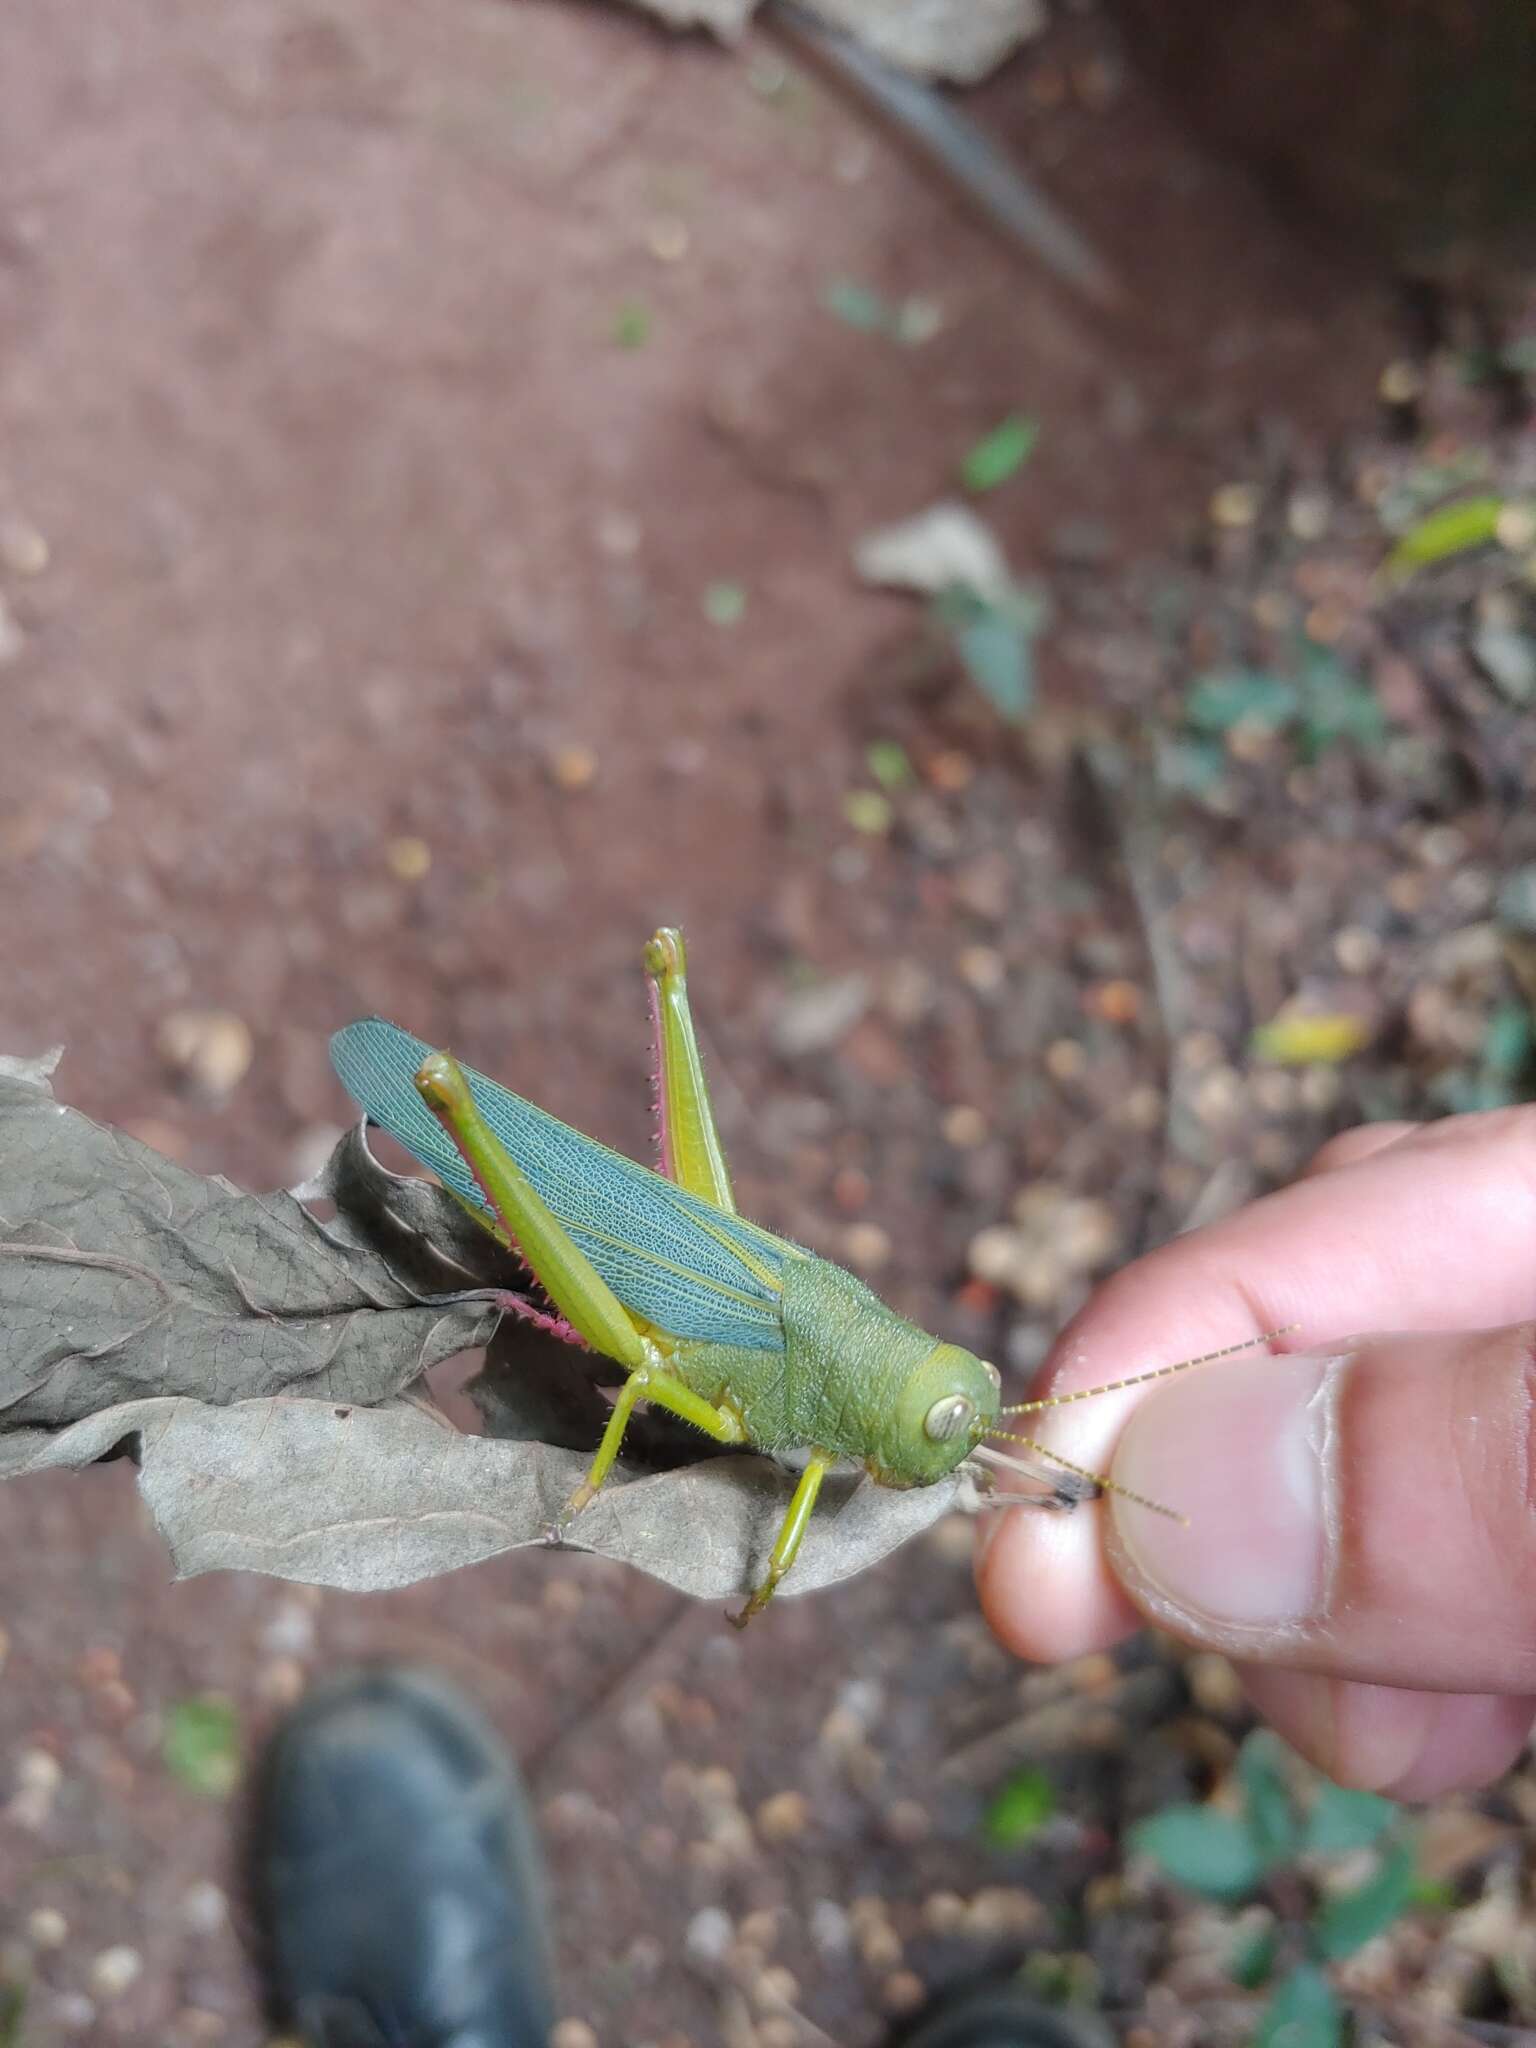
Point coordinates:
[[1433, 1232]]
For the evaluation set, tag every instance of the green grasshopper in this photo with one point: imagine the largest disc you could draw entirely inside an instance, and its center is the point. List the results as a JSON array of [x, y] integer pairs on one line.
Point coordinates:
[[752, 1339]]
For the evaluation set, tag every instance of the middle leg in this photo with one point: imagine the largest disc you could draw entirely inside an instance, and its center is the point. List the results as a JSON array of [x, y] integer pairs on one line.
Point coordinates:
[[787, 1548]]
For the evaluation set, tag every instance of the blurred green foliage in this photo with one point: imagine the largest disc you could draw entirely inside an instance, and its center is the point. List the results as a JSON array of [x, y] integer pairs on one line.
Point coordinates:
[[202, 1745], [1000, 454], [1290, 1824], [1021, 1809]]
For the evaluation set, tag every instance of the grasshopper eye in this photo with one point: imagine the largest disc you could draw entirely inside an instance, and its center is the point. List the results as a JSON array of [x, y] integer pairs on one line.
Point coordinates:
[[949, 1417], [992, 1374]]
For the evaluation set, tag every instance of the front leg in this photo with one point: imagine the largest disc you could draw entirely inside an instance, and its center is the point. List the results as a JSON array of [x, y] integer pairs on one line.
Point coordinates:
[[790, 1536]]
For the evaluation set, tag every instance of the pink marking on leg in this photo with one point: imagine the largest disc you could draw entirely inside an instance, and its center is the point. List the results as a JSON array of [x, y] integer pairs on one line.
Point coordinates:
[[516, 1304], [541, 1319], [664, 1161]]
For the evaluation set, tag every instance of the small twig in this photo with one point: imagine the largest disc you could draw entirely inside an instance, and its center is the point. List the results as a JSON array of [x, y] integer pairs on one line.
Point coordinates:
[[1487, 2030], [1453, 2028], [1137, 1699], [959, 147], [1126, 815], [736, 2026], [661, 1653]]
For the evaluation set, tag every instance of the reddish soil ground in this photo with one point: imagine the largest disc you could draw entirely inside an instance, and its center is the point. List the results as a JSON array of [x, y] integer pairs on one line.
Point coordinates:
[[364, 529]]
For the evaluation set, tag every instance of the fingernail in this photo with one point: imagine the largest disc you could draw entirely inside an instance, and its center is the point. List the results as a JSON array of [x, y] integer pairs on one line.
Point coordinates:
[[1244, 1451]]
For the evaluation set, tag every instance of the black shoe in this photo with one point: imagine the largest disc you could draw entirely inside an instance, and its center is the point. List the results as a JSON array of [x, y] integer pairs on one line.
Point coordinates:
[[1000, 2016], [395, 1875]]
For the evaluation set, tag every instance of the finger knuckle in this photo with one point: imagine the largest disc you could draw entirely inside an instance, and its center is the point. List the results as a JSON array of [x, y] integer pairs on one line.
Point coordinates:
[[1523, 1437], [1345, 1148], [1494, 1437], [1497, 1434], [1510, 1131], [1338, 1150]]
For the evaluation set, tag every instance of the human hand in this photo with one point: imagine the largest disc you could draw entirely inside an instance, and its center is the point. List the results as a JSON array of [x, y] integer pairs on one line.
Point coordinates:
[[1362, 1514]]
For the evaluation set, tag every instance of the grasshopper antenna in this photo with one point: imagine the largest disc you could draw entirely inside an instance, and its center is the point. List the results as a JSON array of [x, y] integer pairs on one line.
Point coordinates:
[[1140, 1379]]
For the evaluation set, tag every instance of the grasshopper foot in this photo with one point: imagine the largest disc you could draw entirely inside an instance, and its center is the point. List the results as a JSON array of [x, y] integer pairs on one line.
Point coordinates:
[[755, 1605], [554, 1531], [583, 1497]]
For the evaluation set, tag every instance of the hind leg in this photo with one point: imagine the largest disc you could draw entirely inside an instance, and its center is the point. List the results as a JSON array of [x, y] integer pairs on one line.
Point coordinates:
[[689, 1144], [579, 1292]]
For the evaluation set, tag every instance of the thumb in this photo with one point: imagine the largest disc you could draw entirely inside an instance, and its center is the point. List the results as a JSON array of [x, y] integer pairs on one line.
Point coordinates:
[[1367, 1515]]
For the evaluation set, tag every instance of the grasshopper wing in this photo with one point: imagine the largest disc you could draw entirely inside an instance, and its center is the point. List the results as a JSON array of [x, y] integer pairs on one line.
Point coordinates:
[[681, 1263]]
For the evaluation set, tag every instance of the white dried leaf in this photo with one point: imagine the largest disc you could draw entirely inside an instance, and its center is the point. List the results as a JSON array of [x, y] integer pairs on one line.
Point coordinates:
[[959, 40], [947, 547]]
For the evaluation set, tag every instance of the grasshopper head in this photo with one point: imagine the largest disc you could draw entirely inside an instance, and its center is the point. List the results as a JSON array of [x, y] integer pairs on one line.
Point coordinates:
[[947, 1405]]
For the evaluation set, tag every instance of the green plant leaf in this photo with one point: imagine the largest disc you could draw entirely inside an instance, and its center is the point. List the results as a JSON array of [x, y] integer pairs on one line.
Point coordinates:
[[1000, 454], [1223, 698], [1341, 1820], [1336, 704], [994, 638], [1326, 701], [857, 306], [1274, 1826], [1303, 2013], [1023, 1806], [13, 2011], [1253, 1956], [1350, 1919], [1061, 1977], [867, 811], [1404, 503], [1190, 766], [912, 322], [202, 1745], [997, 660], [1208, 1851], [1516, 902], [890, 764], [631, 325], [1453, 530], [1507, 1041], [725, 604], [1302, 1038], [1356, 718], [1461, 1091]]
